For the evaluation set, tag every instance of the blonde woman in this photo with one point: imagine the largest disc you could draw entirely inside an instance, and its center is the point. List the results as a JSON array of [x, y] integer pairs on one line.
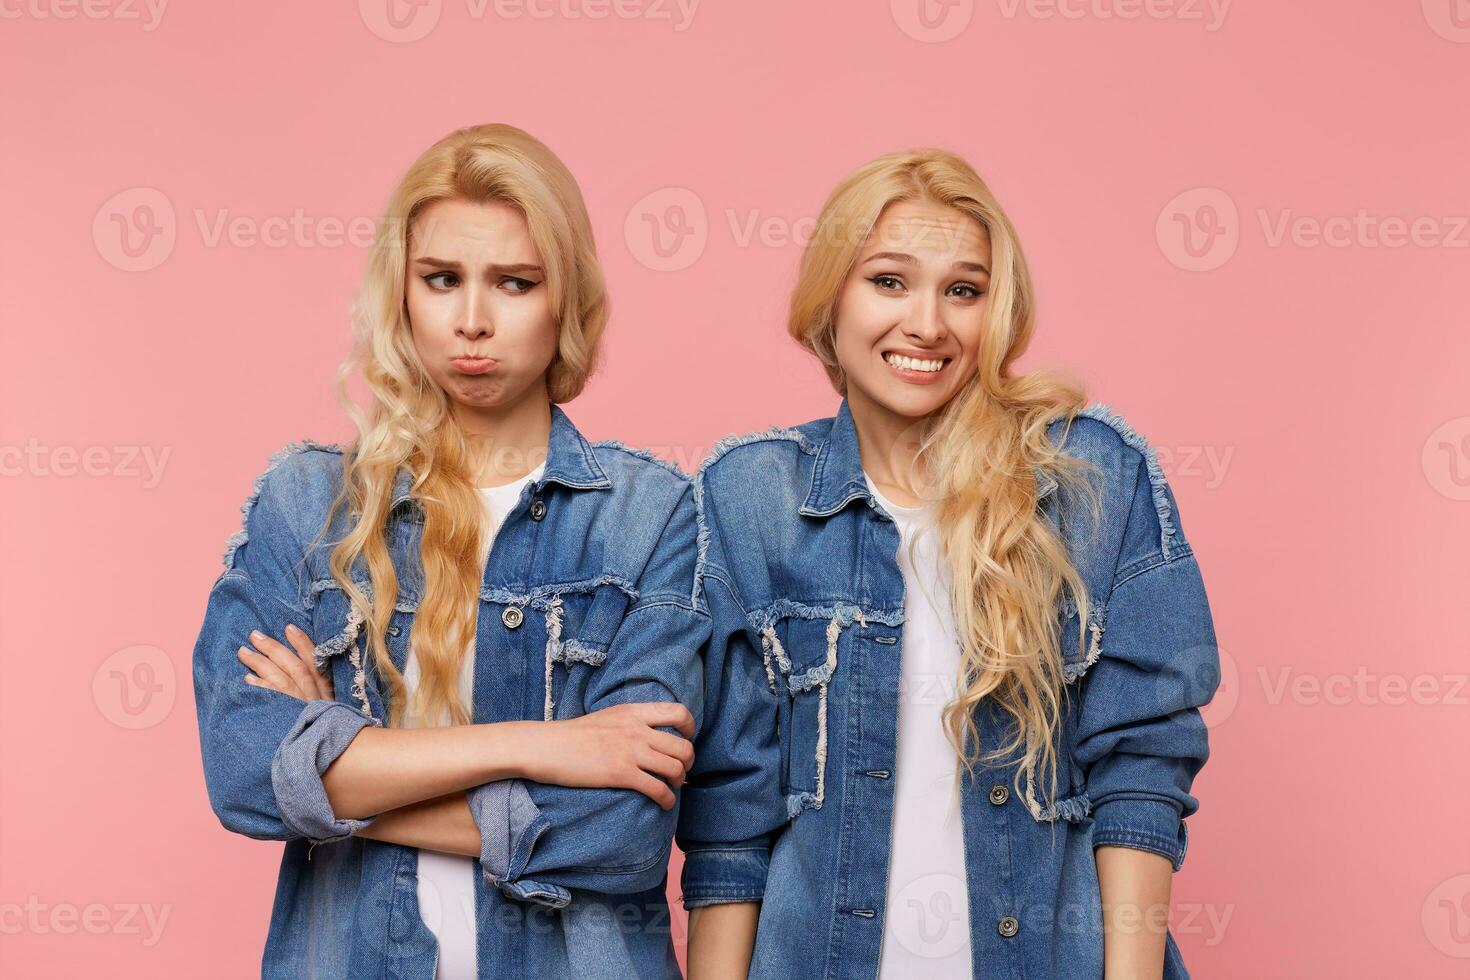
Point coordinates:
[[447, 663], [959, 638]]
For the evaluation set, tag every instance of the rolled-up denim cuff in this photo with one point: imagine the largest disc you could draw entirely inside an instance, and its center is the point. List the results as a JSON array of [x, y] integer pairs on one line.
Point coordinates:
[[321, 733], [716, 874], [510, 823], [1146, 825]]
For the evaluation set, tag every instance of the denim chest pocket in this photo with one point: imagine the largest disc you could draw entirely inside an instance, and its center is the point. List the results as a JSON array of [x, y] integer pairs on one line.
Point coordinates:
[[1070, 802], [580, 622], [1075, 659], [804, 650], [340, 635]]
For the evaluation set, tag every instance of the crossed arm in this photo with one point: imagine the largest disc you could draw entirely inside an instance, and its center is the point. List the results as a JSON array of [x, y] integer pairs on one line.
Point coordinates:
[[413, 780]]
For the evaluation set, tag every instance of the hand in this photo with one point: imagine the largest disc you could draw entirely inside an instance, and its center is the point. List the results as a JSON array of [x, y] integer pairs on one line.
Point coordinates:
[[619, 747], [282, 669]]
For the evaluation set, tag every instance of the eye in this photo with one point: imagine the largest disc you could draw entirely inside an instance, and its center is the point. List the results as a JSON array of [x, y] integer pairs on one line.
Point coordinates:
[[966, 290], [886, 283], [431, 277], [518, 285]]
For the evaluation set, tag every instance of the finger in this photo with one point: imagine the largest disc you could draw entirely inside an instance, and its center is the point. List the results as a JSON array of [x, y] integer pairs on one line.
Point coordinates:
[[654, 789], [265, 669], [671, 713], [666, 766], [670, 744], [286, 660], [306, 652], [254, 681]]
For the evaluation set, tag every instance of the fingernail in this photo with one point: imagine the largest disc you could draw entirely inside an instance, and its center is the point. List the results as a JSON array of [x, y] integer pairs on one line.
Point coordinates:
[[256, 635], [291, 628]]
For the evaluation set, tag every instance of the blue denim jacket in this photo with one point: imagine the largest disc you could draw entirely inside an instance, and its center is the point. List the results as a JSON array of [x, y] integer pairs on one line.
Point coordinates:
[[586, 603], [790, 800]]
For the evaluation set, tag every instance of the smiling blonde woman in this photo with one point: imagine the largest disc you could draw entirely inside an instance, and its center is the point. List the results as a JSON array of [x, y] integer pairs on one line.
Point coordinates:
[[959, 638]]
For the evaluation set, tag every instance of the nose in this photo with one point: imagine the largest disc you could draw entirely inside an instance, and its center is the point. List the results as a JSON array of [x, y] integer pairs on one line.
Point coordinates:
[[924, 324], [474, 316]]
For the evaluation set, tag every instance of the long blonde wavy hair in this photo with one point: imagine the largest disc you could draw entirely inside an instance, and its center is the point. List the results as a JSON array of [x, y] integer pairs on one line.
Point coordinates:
[[410, 422], [978, 454]]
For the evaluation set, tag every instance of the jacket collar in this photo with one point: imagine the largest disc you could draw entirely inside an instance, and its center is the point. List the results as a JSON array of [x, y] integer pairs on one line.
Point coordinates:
[[837, 475], [569, 462]]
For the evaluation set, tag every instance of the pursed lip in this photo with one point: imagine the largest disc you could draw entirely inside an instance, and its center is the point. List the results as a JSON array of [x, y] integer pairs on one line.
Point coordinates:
[[474, 365]]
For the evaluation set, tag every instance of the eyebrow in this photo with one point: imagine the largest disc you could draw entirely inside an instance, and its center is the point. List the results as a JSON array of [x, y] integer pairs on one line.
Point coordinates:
[[509, 269], [906, 259]]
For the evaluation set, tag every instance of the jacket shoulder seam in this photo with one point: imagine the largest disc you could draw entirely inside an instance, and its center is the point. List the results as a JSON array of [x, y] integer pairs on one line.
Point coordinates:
[[720, 450], [643, 454], [1158, 484], [233, 543]]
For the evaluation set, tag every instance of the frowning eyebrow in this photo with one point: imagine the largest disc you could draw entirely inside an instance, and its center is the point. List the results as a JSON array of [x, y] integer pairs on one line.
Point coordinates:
[[512, 269], [907, 259]]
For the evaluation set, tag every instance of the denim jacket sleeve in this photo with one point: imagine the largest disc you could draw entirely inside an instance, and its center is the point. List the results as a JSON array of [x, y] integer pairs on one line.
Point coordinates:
[[733, 807], [538, 839], [1140, 737], [264, 751]]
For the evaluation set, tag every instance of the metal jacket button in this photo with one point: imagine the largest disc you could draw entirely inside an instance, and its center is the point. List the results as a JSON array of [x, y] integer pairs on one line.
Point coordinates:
[[512, 617], [1008, 926], [999, 794], [538, 509]]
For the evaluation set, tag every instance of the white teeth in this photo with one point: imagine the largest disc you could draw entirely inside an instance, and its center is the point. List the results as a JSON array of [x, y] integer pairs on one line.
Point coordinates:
[[912, 364]]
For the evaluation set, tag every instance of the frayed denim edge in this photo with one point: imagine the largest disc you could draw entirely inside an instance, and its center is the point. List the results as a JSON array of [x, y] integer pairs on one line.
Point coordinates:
[[232, 544], [1105, 414], [772, 434]]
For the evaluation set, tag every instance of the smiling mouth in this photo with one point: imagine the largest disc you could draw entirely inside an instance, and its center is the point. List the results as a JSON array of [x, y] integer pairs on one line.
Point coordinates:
[[931, 365]]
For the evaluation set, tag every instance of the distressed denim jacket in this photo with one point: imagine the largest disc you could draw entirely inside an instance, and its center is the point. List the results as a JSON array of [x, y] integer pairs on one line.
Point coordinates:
[[790, 800], [586, 602]]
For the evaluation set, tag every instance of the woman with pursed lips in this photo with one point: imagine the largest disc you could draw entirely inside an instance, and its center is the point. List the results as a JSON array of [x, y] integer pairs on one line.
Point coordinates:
[[448, 663]]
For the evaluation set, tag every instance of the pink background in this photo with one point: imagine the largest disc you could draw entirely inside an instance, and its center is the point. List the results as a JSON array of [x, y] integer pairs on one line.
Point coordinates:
[[1307, 390]]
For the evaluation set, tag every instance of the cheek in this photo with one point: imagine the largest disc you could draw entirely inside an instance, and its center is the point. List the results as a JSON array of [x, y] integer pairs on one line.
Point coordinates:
[[430, 318], [968, 331], [861, 323]]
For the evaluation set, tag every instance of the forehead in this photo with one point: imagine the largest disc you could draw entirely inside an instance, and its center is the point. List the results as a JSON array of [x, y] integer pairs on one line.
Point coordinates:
[[458, 228], [928, 229]]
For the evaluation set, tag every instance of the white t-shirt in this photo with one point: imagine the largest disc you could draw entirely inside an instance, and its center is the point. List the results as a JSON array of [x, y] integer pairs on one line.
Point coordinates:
[[926, 932], [446, 882]]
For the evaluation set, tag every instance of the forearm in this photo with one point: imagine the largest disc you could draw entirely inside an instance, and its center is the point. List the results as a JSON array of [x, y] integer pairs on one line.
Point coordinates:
[[440, 824], [721, 939], [1135, 886], [384, 769]]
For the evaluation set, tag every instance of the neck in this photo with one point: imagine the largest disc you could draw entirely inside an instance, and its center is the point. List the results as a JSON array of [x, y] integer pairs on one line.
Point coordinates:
[[507, 441], [889, 444]]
